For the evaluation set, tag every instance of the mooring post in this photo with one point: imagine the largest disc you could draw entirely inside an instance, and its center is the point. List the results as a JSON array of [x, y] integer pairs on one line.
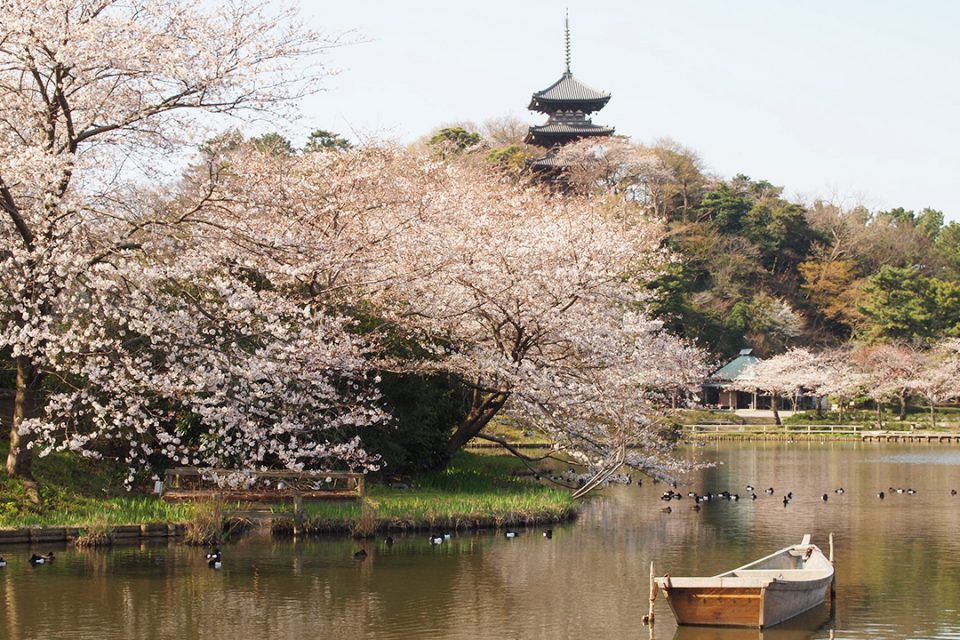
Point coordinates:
[[833, 582], [648, 619], [297, 513]]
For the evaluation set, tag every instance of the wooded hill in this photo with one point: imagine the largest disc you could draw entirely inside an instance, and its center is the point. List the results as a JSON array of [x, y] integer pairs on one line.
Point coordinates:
[[755, 268]]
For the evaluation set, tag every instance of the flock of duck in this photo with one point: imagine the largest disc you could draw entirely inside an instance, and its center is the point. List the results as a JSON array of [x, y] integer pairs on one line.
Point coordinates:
[[671, 494], [35, 559]]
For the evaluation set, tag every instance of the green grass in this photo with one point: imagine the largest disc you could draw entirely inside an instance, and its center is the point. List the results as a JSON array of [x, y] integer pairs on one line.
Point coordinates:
[[77, 491], [511, 433], [106, 512], [476, 486], [947, 417], [705, 416]]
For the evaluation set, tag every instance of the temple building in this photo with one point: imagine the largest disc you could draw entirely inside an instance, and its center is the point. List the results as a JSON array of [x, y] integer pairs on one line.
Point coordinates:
[[567, 104]]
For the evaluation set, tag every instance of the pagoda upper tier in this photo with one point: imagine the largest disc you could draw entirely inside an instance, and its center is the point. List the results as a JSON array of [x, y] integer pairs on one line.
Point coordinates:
[[567, 103], [568, 94]]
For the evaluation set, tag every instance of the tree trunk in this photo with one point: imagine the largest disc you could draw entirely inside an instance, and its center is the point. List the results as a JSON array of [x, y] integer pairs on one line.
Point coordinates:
[[775, 403], [879, 414], [903, 405], [933, 415], [485, 406], [20, 457], [819, 401]]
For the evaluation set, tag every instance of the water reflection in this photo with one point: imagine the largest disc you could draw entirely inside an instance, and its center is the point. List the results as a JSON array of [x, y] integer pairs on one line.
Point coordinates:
[[898, 566]]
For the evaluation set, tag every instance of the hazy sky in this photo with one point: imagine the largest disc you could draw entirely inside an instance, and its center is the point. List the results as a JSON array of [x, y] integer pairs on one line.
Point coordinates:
[[853, 100]]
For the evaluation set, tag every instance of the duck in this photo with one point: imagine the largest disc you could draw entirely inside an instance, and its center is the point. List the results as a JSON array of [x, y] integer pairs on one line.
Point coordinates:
[[667, 510], [695, 507], [953, 492], [753, 496], [786, 501], [214, 559], [880, 495], [749, 488], [388, 541], [47, 558], [769, 491], [436, 539], [911, 492], [839, 491], [824, 497], [548, 534], [360, 555], [3, 562], [509, 534]]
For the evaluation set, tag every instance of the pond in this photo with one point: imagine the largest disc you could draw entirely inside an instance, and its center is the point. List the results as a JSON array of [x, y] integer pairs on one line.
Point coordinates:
[[898, 564]]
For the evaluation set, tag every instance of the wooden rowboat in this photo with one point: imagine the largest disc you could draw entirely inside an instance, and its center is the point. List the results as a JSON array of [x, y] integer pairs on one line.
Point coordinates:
[[760, 594]]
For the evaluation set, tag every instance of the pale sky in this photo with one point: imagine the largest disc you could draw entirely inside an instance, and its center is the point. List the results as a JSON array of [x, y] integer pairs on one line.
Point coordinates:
[[852, 100]]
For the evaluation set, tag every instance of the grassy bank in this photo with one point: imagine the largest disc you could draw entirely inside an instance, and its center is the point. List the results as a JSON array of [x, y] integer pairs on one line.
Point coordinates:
[[78, 492], [476, 490]]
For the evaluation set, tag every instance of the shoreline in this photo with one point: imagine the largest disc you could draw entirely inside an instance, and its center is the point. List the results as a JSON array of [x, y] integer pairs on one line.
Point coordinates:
[[280, 527], [751, 433]]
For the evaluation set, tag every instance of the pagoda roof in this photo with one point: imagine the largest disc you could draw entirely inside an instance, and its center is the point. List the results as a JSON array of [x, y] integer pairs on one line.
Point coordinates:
[[568, 93], [559, 132]]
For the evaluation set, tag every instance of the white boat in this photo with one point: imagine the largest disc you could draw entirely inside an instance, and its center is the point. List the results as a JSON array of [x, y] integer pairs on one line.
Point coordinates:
[[760, 594]]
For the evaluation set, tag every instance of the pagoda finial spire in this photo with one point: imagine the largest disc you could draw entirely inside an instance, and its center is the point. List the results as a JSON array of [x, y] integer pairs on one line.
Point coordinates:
[[566, 39]]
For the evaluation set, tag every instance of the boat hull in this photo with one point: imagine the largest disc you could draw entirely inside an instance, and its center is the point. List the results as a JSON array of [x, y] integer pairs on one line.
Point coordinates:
[[758, 606]]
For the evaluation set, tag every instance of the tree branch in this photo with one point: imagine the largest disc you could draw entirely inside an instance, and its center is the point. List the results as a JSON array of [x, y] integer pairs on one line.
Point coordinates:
[[8, 205], [512, 449]]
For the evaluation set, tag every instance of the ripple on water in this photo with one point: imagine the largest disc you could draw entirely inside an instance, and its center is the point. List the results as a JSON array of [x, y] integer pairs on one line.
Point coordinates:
[[950, 458]]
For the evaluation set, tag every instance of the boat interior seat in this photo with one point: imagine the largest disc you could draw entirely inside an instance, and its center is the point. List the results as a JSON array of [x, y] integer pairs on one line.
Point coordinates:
[[786, 574]]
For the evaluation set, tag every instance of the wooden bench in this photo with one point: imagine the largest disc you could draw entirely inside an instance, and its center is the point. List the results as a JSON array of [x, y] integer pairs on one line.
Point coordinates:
[[192, 483]]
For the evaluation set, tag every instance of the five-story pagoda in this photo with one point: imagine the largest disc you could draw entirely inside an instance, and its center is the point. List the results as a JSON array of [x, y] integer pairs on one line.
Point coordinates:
[[567, 103]]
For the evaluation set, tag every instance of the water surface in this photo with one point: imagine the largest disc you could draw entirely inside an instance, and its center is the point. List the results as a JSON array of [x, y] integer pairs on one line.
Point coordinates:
[[898, 563]]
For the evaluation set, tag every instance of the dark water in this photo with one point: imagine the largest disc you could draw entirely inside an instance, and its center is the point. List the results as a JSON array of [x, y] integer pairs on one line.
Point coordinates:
[[898, 563]]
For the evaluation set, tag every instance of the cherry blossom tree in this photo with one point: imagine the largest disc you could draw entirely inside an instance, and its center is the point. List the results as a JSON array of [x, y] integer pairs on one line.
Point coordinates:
[[890, 367], [838, 376], [781, 376], [533, 300], [936, 381], [615, 165], [89, 88], [539, 298]]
